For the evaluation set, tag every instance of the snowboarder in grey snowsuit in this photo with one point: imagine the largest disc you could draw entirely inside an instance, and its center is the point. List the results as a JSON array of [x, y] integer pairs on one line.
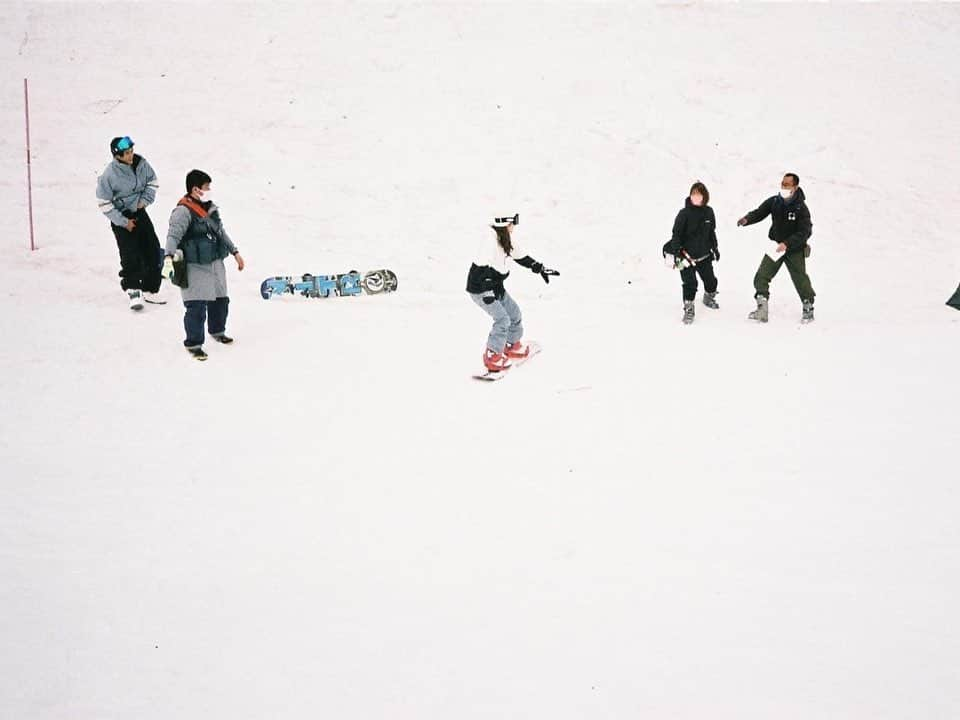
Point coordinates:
[[127, 186]]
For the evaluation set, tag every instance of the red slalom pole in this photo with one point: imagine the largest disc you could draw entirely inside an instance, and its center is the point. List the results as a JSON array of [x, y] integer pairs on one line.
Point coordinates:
[[26, 115]]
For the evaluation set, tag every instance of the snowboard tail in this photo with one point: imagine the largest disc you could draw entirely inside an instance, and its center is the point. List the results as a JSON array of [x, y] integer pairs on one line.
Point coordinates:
[[374, 282]]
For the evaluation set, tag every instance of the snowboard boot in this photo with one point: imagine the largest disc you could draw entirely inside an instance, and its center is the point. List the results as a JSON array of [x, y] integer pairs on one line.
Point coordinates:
[[710, 300], [688, 312], [516, 350], [224, 339], [807, 316], [495, 361], [761, 314], [136, 299], [197, 353]]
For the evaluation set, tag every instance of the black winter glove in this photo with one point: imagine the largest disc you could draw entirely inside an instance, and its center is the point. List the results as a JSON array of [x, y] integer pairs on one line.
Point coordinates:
[[537, 267], [543, 272]]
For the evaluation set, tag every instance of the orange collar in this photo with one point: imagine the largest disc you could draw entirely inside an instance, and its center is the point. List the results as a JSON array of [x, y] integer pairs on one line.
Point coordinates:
[[192, 205]]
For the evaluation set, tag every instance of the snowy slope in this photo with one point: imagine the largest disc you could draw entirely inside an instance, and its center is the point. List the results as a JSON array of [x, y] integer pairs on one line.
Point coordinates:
[[328, 519]]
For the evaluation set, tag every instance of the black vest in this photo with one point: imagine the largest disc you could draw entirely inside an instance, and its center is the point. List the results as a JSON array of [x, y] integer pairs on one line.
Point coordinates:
[[202, 243]]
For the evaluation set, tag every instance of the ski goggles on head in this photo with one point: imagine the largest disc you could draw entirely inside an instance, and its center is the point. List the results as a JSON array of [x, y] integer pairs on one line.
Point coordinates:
[[124, 143], [504, 221]]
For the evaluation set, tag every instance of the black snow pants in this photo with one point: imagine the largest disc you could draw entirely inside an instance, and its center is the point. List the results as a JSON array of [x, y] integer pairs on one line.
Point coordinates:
[[689, 278], [140, 254]]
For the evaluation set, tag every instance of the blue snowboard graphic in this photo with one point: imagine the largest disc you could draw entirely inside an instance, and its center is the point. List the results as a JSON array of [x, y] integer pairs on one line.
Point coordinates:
[[374, 282]]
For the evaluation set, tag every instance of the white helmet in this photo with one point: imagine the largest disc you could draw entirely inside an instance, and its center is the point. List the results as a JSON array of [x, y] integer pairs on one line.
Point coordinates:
[[504, 220]]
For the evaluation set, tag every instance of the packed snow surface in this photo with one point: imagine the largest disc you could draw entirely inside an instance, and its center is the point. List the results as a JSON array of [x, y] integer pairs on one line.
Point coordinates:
[[329, 519]]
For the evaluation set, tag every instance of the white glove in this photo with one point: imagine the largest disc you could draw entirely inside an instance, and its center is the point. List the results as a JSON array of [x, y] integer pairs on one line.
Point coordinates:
[[167, 270], [670, 261]]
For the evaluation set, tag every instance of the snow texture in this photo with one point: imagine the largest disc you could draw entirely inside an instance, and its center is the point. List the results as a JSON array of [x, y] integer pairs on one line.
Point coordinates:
[[331, 519]]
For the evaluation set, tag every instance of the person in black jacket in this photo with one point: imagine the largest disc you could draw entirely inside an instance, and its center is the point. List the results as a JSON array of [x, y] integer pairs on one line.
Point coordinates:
[[694, 246], [791, 229]]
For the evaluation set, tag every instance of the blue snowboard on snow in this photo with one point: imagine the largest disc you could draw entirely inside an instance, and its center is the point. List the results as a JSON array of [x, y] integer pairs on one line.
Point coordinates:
[[374, 282]]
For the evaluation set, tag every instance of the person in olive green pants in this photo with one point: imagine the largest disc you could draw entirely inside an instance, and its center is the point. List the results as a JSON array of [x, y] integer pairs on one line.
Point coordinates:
[[791, 229], [796, 263]]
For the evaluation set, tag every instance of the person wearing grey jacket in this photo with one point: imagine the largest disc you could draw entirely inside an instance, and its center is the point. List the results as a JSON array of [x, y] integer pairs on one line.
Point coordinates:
[[127, 186], [196, 236]]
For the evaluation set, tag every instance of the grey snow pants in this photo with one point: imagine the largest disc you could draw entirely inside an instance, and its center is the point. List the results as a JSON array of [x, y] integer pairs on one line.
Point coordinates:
[[507, 320]]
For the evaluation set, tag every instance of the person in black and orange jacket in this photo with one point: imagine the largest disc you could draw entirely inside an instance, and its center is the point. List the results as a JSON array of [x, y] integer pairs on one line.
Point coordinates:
[[196, 236]]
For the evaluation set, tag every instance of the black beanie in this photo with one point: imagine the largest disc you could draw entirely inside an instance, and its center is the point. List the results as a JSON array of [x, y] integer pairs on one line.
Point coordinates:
[[196, 179]]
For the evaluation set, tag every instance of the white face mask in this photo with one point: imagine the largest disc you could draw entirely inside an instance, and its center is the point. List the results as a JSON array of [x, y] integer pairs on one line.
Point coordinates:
[[785, 194]]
